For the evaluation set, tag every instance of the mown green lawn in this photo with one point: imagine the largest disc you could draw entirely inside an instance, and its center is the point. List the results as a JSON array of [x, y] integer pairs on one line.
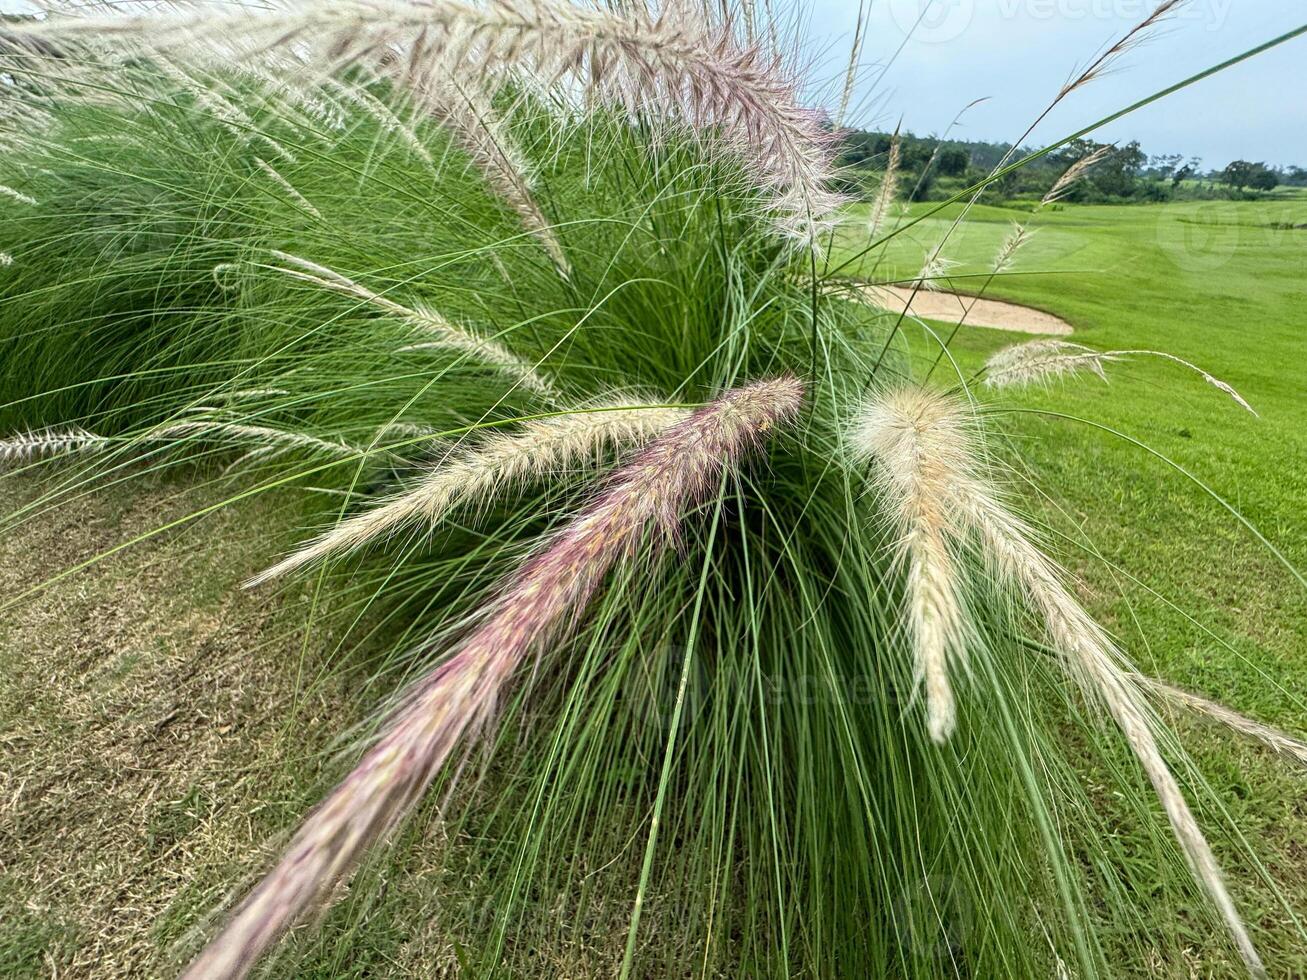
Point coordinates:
[[1192, 594]]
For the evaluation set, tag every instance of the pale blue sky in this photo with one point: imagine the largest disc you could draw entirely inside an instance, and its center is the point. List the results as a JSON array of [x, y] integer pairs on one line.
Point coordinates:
[[1019, 52]]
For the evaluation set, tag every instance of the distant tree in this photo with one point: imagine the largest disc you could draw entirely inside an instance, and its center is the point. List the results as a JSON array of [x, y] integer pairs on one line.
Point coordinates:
[[1237, 174], [1263, 178], [1296, 176], [1165, 165], [952, 162], [1118, 173], [1189, 171]]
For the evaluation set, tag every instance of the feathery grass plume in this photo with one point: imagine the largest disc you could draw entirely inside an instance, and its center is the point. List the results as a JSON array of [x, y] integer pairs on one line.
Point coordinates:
[[539, 604], [6, 259], [1074, 174], [671, 64], [1279, 742], [477, 471], [917, 450], [359, 96], [1013, 243], [1128, 41], [28, 446], [475, 127], [935, 424], [427, 320], [1036, 361], [933, 271], [208, 94], [286, 186], [18, 196], [1043, 360], [1093, 659], [855, 58], [269, 438], [889, 186]]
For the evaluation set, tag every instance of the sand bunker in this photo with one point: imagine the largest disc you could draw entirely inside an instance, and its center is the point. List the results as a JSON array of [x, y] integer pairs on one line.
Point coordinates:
[[951, 308]]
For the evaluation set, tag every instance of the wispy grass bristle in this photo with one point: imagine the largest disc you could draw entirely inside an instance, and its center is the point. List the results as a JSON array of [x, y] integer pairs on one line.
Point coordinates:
[[917, 450], [672, 64], [641, 505], [421, 316], [474, 472], [1279, 742], [934, 427], [887, 192], [1074, 174], [26, 447], [1038, 361]]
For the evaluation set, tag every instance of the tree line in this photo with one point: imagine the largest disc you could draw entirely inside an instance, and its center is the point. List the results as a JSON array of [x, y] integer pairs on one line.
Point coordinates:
[[933, 169]]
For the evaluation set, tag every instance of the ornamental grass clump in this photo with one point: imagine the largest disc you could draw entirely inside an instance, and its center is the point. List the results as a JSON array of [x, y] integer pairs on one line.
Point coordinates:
[[681, 601]]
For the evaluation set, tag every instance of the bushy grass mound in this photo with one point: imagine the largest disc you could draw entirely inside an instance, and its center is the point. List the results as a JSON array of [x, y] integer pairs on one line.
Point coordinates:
[[708, 613]]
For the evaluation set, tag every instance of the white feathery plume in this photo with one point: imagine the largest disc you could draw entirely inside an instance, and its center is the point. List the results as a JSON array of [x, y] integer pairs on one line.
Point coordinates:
[[855, 57], [17, 195], [1277, 741], [270, 438], [427, 320], [381, 113], [227, 114], [478, 471], [1128, 41], [6, 259], [934, 271], [940, 426], [1013, 243], [477, 130], [1073, 174], [673, 64], [889, 186], [1043, 360], [27, 446], [916, 451], [638, 510], [286, 186], [74, 439]]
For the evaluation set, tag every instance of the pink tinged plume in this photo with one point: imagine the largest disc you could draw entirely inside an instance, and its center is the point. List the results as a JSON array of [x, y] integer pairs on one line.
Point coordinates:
[[540, 603]]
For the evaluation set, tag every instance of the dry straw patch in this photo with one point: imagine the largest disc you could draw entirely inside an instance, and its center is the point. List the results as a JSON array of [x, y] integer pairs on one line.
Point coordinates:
[[148, 765], [144, 736]]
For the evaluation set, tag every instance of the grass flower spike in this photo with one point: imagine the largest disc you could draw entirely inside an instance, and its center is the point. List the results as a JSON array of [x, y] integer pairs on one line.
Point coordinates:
[[475, 472], [901, 427], [919, 447], [643, 502], [671, 64], [1046, 360]]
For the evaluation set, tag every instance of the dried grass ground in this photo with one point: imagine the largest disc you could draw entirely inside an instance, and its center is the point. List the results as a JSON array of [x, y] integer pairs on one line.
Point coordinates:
[[145, 724], [160, 727]]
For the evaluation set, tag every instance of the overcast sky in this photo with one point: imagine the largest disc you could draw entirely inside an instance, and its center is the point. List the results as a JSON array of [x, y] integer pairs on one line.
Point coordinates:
[[1019, 52]]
